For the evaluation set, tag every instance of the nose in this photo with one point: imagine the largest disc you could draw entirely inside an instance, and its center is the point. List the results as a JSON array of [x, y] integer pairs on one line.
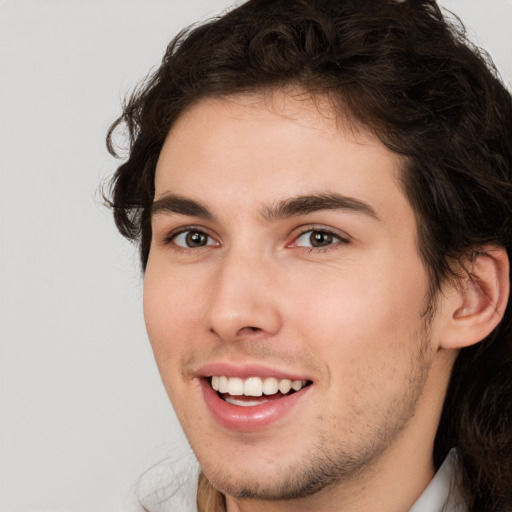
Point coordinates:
[[244, 299]]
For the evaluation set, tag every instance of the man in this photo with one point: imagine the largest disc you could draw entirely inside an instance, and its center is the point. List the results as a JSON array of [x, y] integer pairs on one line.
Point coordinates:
[[322, 192]]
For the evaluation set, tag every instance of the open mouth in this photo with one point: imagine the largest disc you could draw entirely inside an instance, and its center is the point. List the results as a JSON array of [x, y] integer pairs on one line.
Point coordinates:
[[254, 390]]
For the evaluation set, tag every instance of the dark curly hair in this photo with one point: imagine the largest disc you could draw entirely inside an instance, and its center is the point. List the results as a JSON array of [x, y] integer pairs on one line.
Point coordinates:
[[409, 75]]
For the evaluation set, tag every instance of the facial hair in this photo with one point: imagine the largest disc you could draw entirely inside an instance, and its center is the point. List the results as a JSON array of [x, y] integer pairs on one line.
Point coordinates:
[[331, 460]]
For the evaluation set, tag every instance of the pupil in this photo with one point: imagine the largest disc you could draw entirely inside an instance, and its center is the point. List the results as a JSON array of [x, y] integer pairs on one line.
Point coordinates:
[[196, 239], [319, 239]]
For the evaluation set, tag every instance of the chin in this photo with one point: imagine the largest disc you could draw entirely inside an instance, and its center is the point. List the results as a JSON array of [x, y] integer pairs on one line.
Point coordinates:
[[300, 479]]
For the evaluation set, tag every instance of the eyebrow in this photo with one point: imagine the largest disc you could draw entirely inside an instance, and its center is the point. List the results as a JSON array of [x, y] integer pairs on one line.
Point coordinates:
[[302, 205], [292, 207], [181, 206]]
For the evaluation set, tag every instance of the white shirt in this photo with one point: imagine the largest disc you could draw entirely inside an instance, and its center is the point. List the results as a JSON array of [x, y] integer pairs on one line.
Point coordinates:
[[442, 493], [171, 490]]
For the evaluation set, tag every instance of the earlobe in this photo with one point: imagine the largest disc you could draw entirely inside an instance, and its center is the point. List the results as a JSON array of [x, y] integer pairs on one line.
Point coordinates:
[[480, 299]]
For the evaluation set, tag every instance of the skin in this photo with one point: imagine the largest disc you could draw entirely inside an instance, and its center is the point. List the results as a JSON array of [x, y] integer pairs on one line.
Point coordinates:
[[348, 315]]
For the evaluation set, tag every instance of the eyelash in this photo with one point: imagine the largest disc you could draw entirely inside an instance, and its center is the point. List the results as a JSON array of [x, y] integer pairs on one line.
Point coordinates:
[[171, 237], [340, 239]]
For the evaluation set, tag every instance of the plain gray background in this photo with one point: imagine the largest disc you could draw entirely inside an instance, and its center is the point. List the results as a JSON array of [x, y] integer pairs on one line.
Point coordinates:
[[83, 412]]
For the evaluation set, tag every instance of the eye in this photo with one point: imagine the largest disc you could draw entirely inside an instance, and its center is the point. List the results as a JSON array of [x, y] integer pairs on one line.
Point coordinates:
[[317, 239], [192, 239]]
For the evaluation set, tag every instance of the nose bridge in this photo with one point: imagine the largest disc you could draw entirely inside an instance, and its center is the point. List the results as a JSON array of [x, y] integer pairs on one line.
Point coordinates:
[[242, 299]]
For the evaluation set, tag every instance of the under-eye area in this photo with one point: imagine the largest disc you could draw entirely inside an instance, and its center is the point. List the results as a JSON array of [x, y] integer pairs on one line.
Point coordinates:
[[254, 390]]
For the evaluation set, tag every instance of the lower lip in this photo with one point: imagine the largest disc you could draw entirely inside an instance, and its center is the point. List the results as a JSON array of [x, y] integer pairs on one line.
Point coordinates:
[[252, 418]]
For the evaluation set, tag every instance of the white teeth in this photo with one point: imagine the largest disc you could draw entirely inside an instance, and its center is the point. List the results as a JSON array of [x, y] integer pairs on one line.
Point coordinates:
[[223, 385], [254, 386], [296, 384], [285, 385], [235, 386], [247, 403], [270, 386]]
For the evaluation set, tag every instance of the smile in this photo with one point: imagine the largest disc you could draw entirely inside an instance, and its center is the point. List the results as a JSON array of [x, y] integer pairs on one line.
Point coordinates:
[[252, 403], [235, 389]]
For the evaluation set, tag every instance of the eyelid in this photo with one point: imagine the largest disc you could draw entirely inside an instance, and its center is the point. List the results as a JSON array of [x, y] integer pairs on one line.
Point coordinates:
[[341, 235], [168, 238]]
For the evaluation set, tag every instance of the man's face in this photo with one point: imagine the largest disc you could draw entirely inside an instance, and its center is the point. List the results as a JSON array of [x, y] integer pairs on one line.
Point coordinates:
[[284, 252]]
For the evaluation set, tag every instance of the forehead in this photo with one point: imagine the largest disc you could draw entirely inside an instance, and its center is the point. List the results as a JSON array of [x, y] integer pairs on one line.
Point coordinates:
[[253, 150]]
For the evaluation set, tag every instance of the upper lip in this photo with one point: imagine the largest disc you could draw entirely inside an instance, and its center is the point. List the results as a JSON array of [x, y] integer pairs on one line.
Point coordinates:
[[245, 371]]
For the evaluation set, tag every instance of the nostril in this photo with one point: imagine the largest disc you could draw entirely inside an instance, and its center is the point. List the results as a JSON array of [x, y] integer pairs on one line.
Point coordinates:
[[244, 331], [249, 332], [249, 329]]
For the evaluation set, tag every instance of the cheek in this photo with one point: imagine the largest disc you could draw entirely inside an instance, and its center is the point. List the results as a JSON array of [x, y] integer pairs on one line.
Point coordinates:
[[168, 317], [369, 311], [171, 307]]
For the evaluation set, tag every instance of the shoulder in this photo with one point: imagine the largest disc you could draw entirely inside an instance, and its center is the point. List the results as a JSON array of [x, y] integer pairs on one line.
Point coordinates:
[[169, 486]]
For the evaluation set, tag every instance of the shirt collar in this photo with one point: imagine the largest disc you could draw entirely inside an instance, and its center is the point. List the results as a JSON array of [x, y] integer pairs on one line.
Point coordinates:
[[443, 492]]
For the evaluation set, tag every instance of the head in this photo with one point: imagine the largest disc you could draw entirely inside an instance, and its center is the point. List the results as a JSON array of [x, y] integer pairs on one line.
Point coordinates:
[[423, 130]]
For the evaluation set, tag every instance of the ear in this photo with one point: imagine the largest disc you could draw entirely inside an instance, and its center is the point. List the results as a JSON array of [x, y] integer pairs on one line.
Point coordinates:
[[478, 300]]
